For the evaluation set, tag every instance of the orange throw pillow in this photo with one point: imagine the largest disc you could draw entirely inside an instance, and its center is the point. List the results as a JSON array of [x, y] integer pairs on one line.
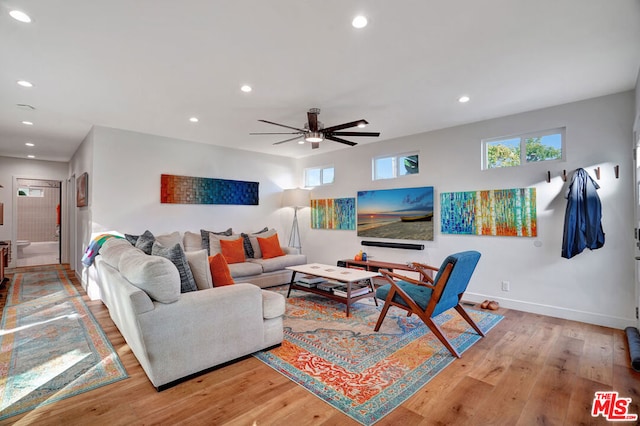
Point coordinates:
[[270, 247], [220, 272], [232, 250]]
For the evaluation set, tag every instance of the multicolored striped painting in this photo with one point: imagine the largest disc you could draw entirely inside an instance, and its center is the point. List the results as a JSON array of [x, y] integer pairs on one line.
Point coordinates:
[[333, 213], [503, 212], [197, 190]]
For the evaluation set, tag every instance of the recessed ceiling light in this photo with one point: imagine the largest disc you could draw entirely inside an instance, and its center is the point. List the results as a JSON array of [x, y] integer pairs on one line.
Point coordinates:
[[301, 142], [246, 88], [463, 99], [19, 15], [27, 123], [194, 119], [31, 156], [24, 83], [30, 144], [359, 22], [362, 125]]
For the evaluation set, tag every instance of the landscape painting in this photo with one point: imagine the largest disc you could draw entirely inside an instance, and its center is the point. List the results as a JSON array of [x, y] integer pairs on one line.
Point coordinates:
[[403, 213], [333, 213], [500, 212]]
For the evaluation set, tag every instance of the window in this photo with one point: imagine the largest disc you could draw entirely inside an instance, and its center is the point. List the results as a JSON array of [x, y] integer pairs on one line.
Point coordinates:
[[316, 176], [391, 167], [30, 192], [523, 149]]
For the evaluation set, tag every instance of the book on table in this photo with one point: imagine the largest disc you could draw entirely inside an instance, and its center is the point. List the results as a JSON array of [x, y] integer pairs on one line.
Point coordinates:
[[356, 290], [307, 285], [328, 285], [311, 279]]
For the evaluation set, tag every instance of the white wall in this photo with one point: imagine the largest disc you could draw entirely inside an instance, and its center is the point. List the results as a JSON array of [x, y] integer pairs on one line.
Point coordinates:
[[13, 168], [125, 186], [596, 287]]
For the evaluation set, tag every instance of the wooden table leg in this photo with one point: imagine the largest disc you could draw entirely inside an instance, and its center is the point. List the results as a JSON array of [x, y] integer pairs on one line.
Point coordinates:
[[373, 289], [293, 278]]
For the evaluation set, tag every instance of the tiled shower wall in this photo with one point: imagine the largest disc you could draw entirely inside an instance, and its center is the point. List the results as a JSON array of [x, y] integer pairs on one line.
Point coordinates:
[[37, 216]]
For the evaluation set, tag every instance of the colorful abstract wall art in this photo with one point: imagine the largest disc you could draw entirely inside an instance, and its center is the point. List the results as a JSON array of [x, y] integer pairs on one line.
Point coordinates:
[[502, 212], [403, 213], [333, 213], [197, 190]]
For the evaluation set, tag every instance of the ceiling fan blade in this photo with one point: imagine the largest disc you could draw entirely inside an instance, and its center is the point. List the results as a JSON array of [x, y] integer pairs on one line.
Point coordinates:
[[282, 125], [335, 139], [271, 133], [315, 145], [288, 140], [313, 121], [373, 134], [345, 126]]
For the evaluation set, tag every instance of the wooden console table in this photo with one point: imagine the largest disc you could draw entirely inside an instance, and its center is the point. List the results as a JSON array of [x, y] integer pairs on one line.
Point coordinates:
[[375, 265]]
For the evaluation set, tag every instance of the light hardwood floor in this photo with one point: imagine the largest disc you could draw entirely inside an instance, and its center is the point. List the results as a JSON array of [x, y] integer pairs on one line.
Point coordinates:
[[529, 370]]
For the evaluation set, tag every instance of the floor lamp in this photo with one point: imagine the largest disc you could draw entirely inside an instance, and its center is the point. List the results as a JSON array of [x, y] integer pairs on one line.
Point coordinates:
[[297, 198]]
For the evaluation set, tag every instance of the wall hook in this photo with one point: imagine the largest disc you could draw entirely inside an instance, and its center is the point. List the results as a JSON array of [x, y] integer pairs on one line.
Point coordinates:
[[548, 176], [616, 169], [597, 170], [564, 175]]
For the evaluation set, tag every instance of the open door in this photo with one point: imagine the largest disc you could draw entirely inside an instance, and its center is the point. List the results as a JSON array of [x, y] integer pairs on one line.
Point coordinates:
[[636, 176]]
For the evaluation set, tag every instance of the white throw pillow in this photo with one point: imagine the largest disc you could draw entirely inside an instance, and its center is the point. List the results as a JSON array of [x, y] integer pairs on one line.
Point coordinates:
[[155, 275], [114, 248], [199, 264], [170, 240], [192, 241]]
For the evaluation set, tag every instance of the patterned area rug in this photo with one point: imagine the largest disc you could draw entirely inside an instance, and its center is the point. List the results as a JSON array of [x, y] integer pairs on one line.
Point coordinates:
[[51, 345], [365, 374]]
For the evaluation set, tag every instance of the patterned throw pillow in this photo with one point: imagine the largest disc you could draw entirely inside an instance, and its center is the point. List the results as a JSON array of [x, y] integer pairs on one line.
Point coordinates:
[[204, 234], [176, 255], [145, 242], [248, 248]]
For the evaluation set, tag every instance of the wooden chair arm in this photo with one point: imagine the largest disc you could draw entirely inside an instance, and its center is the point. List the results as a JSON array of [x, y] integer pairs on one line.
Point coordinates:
[[425, 266], [390, 275]]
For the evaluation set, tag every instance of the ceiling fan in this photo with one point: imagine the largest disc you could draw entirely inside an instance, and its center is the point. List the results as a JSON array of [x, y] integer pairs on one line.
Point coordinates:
[[314, 131]]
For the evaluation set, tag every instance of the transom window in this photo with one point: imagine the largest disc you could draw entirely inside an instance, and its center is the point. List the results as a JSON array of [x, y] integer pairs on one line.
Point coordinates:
[[390, 167], [522, 149], [317, 176]]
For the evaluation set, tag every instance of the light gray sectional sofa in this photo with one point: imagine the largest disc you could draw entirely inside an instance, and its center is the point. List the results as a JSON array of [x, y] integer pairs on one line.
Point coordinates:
[[175, 335]]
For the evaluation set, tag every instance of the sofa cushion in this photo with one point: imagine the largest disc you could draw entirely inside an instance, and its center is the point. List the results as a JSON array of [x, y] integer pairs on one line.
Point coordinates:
[[280, 262], [176, 255], [245, 269], [270, 247], [253, 238], [232, 250], [220, 271], [273, 304], [192, 242], [170, 240], [113, 249], [205, 236], [199, 264], [156, 275]]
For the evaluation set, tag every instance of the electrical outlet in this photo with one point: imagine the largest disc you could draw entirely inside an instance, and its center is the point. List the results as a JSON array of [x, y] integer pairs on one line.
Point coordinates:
[[505, 285]]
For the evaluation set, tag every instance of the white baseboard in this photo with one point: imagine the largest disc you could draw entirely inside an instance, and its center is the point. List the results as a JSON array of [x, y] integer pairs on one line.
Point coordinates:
[[556, 311]]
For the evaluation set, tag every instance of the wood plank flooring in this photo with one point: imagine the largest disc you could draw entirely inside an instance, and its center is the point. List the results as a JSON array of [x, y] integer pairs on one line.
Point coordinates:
[[529, 370]]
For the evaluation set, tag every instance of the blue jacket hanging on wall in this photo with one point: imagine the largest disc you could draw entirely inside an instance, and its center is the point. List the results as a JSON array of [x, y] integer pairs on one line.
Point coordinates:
[[582, 220]]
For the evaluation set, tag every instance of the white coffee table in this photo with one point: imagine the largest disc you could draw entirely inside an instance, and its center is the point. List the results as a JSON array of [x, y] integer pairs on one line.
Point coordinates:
[[335, 273]]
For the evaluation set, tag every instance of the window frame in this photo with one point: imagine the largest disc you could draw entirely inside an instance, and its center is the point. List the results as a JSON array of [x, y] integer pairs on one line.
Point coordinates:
[[396, 165], [523, 152], [321, 169]]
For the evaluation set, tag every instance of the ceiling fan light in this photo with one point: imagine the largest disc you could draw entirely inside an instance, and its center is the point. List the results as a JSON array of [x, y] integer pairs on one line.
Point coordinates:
[[313, 137]]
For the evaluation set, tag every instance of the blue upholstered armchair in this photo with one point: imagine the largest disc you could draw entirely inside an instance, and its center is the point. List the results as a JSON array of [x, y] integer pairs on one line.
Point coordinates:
[[429, 297]]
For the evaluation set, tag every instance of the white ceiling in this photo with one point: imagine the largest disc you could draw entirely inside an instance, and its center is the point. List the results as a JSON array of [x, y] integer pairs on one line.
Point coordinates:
[[149, 65]]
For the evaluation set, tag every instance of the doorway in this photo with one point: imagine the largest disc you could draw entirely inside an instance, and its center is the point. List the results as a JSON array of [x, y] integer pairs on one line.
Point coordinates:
[[38, 237]]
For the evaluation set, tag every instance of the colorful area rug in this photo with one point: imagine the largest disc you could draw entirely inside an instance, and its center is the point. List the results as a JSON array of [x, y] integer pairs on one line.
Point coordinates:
[[51, 345], [365, 374]]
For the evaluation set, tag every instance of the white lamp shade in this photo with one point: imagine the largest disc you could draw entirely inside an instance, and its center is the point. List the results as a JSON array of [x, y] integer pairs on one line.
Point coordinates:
[[295, 197]]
